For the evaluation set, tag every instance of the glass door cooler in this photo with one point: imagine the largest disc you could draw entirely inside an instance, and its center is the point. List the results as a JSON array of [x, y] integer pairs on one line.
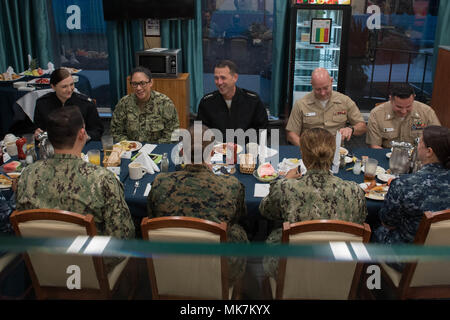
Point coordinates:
[[319, 36]]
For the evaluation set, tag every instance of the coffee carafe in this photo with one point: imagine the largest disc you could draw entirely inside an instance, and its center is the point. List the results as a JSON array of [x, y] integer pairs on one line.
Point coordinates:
[[399, 163], [45, 147]]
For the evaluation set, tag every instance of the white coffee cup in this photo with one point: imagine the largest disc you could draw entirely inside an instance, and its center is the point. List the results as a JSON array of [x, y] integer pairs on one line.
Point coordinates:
[[11, 148], [136, 171]]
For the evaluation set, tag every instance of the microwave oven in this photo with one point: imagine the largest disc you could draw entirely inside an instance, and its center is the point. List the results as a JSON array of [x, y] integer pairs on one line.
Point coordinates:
[[163, 63]]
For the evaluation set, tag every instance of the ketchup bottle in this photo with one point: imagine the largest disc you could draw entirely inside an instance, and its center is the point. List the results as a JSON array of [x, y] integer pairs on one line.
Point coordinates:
[[21, 145], [231, 155]]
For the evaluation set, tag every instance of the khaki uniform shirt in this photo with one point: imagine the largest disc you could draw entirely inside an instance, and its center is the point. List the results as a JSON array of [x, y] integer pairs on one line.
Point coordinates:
[[154, 123], [308, 113], [384, 126]]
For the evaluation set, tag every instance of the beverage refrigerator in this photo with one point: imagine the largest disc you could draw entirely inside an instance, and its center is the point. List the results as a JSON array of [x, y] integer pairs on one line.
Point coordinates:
[[319, 37]]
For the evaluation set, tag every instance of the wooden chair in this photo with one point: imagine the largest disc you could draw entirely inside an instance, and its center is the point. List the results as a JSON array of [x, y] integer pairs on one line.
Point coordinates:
[[48, 271], [424, 280], [313, 279], [187, 276]]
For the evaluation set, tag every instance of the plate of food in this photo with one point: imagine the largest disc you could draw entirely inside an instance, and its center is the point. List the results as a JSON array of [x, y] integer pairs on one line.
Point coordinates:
[[374, 191], [41, 81], [73, 70], [343, 151], [14, 175], [348, 159], [5, 182], [7, 77], [265, 173], [222, 148], [380, 170], [129, 145], [385, 177]]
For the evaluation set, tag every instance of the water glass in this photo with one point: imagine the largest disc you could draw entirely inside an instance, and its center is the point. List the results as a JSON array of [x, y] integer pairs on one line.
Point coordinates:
[[107, 144], [370, 170]]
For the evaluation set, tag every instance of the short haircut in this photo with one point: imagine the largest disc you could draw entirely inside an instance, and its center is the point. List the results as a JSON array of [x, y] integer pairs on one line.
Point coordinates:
[[144, 70], [59, 75], [198, 147], [438, 139], [228, 63], [402, 91], [63, 125], [317, 146]]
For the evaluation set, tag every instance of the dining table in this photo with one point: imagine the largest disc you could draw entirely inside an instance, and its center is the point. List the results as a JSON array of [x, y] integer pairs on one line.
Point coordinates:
[[257, 226]]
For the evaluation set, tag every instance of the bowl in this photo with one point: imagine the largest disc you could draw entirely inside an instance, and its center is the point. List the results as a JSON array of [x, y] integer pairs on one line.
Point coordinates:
[[265, 179], [19, 84]]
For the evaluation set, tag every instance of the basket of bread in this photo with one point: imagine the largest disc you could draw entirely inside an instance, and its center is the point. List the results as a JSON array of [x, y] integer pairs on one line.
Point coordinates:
[[113, 159], [247, 163]]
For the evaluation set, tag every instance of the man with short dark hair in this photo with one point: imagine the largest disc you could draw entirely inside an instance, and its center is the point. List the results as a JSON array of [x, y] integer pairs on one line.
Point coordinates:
[[66, 182], [231, 107], [400, 119]]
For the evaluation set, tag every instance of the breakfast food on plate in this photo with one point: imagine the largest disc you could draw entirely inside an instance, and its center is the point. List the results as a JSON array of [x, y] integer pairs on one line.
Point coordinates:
[[9, 77], [113, 160], [42, 81], [4, 181], [12, 166], [266, 170], [128, 145]]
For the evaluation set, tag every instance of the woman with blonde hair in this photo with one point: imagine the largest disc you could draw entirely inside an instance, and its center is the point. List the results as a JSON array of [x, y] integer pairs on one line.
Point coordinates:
[[316, 195]]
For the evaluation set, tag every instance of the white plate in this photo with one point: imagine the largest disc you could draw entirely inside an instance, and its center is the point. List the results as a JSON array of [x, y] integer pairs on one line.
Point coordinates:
[[269, 179], [388, 155], [343, 151], [348, 159], [35, 81], [385, 177], [20, 77], [374, 195], [138, 145], [380, 170], [14, 175], [219, 148]]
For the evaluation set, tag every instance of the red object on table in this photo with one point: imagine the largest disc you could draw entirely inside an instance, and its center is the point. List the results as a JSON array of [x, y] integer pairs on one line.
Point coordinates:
[[21, 151]]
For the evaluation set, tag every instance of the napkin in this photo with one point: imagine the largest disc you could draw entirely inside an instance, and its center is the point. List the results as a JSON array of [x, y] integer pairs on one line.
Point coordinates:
[[147, 162], [50, 67], [261, 190], [10, 71], [337, 156], [148, 148]]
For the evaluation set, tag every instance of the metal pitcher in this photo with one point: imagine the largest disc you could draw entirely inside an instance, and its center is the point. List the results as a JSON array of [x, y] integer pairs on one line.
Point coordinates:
[[45, 147], [399, 163]]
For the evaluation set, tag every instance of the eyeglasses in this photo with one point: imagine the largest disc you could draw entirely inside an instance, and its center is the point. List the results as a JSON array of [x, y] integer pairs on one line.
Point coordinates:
[[142, 84]]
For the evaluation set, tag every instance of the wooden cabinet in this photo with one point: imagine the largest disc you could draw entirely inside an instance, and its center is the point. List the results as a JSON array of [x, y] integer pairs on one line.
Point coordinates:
[[177, 89], [441, 92]]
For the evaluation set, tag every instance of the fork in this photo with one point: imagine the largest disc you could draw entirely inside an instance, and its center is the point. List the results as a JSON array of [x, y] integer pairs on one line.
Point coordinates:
[[136, 185]]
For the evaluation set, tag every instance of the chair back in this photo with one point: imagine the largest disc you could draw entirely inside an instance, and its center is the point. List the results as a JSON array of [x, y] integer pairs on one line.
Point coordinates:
[[315, 279], [434, 230], [186, 276], [49, 271]]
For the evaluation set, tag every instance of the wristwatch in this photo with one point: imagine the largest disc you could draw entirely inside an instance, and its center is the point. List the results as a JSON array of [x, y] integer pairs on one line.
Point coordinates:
[[353, 129]]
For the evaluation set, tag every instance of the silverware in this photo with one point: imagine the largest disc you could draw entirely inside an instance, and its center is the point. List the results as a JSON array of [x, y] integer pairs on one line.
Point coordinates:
[[136, 185]]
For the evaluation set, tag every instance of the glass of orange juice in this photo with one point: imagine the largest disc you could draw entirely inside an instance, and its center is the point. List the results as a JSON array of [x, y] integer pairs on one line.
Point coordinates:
[[94, 156]]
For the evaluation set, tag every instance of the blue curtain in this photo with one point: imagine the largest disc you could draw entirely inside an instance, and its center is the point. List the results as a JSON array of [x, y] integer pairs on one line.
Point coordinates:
[[187, 36], [280, 56], [124, 39], [25, 29], [442, 30]]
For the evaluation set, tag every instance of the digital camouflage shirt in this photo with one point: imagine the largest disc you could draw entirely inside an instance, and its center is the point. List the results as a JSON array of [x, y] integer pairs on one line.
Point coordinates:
[[316, 195], [154, 123], [66, 182], [197, 192]]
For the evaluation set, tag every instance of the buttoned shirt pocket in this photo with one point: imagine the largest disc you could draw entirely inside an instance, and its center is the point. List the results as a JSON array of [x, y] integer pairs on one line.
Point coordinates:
[[311, 119], [340, 118]]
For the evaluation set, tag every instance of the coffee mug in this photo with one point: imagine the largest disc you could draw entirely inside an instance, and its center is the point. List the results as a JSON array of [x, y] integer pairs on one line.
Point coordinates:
[[136, 170], [11, 148], [9, 138]]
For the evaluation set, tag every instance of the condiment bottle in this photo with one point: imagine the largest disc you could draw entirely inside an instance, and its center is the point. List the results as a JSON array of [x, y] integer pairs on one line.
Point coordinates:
[[231, 156], [165, 163], [21, 151]]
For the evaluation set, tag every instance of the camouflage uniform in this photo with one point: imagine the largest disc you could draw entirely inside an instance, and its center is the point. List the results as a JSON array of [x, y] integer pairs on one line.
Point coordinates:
[[198, 192], [66, 182], [408, 198], [154, 123], [316, 195]]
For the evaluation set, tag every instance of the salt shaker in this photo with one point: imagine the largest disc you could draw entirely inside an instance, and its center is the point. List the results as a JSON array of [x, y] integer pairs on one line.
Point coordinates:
[[357, 167]]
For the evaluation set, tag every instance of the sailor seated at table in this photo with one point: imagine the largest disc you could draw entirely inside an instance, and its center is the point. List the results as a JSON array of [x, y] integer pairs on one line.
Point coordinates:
[[411, 195], [66, 182], [62, 83], [197, 192], [400, 119], [324, 108], [316, 195], [144, 115]]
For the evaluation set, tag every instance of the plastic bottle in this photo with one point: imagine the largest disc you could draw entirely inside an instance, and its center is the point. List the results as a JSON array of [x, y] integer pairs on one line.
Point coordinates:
[[21, 151], [165, 163]]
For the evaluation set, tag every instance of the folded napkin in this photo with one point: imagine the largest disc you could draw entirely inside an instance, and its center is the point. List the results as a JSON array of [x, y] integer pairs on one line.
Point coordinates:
[[10, 70], [50, 68], [148, 148], [337, 156], [147, 163]]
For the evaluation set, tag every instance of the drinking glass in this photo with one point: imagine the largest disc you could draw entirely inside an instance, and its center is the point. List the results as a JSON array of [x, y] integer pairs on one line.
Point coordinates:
[[94, 156], [107, 143], [370, 170]]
